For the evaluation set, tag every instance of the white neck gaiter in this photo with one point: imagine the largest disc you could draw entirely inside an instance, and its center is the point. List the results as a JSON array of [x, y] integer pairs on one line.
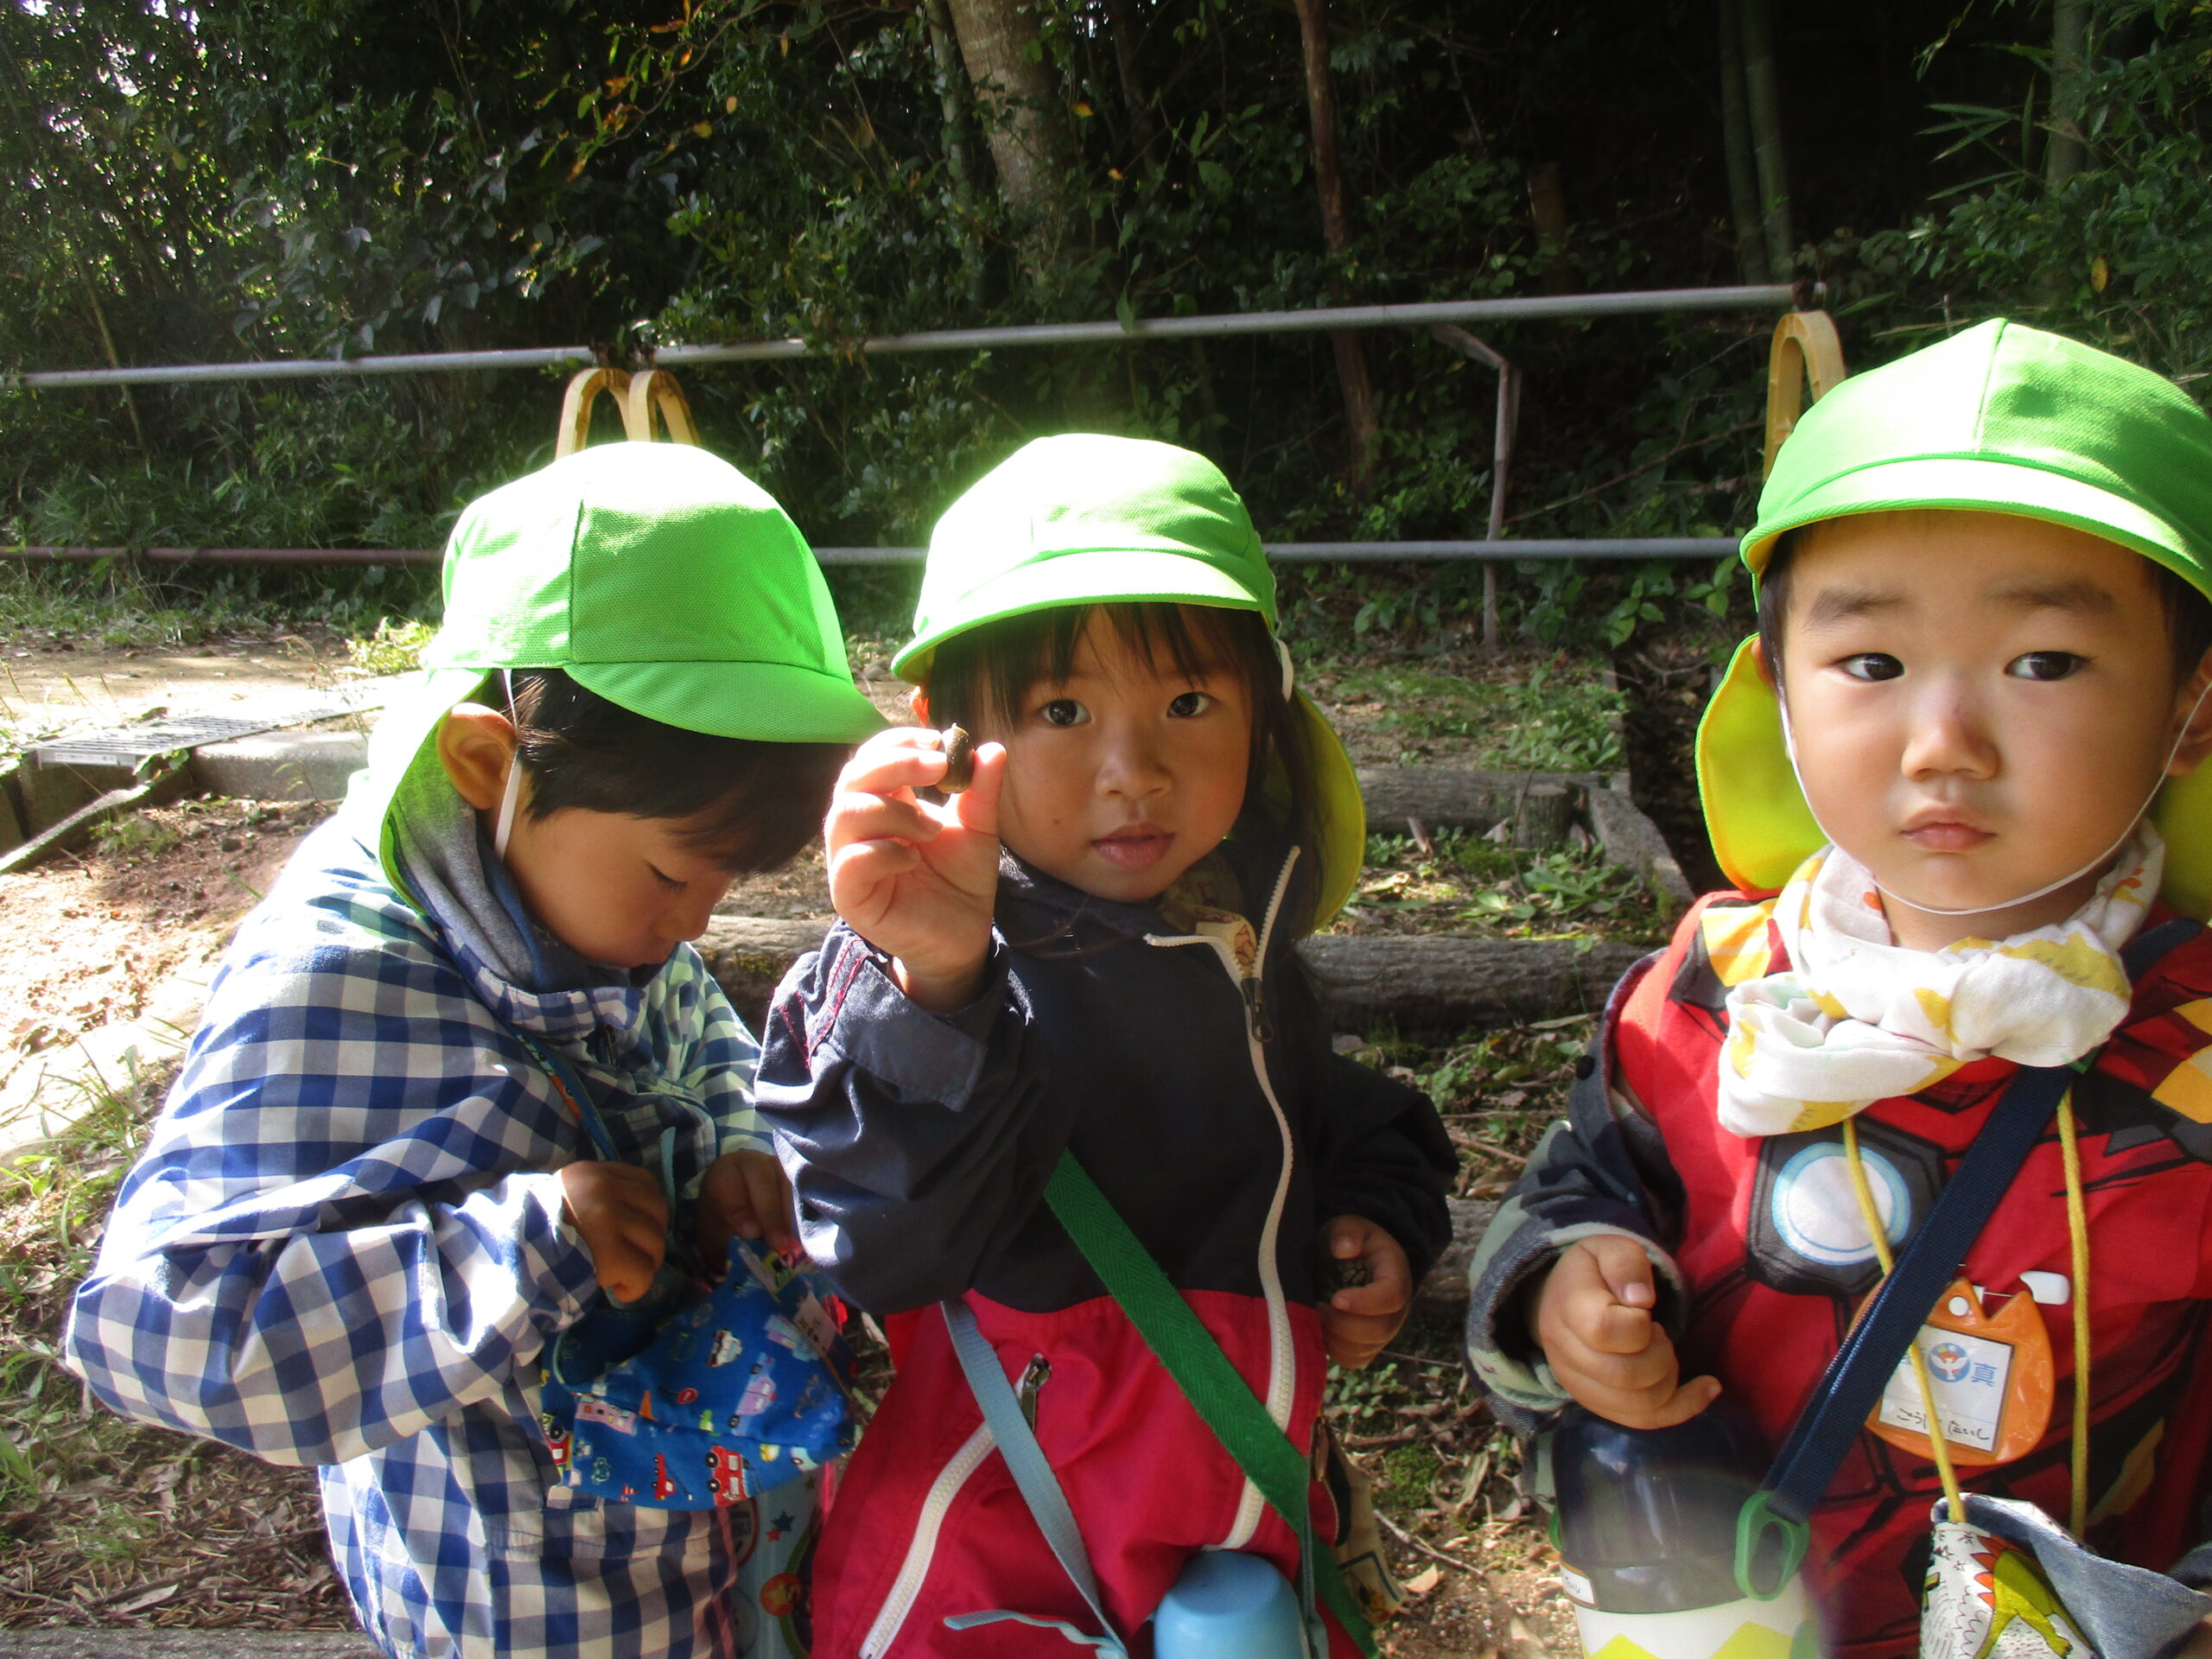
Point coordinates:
[[1856, 1019]]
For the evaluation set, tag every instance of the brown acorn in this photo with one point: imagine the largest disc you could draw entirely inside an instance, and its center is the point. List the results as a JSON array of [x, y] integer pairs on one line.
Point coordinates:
[[959, 760]]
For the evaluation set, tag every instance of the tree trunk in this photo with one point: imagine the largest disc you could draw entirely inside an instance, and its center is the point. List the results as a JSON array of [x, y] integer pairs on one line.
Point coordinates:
[[1736, 138], [1144, 126], [1765, 101], [1005, 54], [1547, 206], [959, 154], [1336, 229], [2066, 154]]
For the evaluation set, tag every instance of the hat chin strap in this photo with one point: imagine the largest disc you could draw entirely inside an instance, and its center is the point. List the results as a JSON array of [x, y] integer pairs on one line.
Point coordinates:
[[1789, 743], [1289, 677], [512, 793]]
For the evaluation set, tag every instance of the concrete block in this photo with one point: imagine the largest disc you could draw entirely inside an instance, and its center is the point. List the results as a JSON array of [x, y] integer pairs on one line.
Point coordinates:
[[52, 791], [282, 765]]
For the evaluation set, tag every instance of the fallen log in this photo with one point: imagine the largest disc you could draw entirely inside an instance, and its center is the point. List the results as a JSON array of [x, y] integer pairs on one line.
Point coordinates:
[[1444, 1292], [1416, 984]]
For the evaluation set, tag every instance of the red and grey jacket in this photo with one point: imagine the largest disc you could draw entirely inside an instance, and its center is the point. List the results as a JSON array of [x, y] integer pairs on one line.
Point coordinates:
[[1761, 1269], [1191, 1075]]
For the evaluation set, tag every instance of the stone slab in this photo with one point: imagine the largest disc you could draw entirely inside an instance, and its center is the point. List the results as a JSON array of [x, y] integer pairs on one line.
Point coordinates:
[[282, 765]]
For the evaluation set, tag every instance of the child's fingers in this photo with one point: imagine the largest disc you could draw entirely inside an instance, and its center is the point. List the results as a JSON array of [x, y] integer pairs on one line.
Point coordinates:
[[861, 865], [892, 761], [770, 1192], [977, 806], [1626, 1270], [862, 816], [1609, 1328]]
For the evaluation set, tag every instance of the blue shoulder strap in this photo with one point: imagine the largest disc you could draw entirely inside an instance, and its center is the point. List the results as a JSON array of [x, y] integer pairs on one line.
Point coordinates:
[[1771, 1535], [1034, 1477]]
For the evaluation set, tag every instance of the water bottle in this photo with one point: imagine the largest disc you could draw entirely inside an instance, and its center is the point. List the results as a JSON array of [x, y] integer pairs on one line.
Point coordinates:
[[1229, 1605], [1646, 1529]]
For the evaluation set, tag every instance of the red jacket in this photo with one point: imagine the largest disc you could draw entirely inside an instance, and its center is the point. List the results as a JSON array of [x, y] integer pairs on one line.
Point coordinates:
[[1763, 1295]]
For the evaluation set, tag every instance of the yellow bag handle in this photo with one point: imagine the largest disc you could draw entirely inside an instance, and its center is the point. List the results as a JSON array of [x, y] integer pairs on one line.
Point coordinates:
[[637, 398], [1805, 348]]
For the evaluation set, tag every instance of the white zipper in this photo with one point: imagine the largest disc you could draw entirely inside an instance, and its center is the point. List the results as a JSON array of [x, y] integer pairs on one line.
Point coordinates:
[[1282, 1374], [923, 1545]]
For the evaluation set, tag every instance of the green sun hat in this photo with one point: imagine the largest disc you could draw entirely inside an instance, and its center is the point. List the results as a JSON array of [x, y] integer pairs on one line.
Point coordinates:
[[1084, 518], [656, 574], [2000, 418]]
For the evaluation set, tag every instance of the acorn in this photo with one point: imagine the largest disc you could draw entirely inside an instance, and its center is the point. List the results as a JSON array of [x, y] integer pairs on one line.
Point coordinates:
[[959, 760]]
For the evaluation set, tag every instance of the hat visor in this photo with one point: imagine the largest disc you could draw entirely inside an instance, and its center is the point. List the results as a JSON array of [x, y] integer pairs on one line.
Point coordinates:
[[1095, 576], [773, 702], [1762, 828], [1340, 814], [1973, 484]]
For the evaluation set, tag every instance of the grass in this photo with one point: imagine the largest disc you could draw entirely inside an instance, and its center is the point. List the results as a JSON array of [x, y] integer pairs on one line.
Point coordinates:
[[1550, 721], [1464, 883]]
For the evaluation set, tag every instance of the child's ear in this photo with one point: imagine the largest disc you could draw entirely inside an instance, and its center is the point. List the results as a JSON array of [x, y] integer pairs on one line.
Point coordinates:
[[2193, 707], [1764, 667], [918, 704], [476, 745]]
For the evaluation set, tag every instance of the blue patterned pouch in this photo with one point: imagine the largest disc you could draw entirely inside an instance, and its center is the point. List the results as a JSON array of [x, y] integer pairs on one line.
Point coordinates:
[[735, 1390], [698, 1396]]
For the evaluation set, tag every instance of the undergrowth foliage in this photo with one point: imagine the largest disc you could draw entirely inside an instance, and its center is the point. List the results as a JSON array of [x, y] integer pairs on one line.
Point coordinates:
[[338, 177]]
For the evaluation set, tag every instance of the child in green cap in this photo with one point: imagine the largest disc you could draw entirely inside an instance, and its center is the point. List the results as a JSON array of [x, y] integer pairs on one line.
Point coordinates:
[[1089, 952], [1954, 779], [366, 1209]]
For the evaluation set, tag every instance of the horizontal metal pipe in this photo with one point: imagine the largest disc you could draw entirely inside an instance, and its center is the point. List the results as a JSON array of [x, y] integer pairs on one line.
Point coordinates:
[[1748, 297], [1646, 547], [322, 556]]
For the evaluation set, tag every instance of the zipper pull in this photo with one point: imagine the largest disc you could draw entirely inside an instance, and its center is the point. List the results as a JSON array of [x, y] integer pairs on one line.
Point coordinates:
[[1255, 1010], [1034, 1376]]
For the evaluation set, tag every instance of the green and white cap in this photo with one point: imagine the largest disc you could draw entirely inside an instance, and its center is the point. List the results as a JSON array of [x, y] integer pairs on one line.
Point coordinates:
[[656, 574], [1087, 519], [2000, 418]]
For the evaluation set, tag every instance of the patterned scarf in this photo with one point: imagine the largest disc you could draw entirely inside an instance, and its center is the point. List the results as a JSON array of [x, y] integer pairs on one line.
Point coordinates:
[[1856, 1019]]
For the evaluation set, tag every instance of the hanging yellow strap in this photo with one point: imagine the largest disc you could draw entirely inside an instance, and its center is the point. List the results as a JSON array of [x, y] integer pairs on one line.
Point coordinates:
[[2077, 1231], [1880, 1234]]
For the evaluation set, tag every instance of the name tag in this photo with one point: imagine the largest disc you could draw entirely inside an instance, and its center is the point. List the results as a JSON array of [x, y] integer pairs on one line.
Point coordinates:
[[1991, 1376]]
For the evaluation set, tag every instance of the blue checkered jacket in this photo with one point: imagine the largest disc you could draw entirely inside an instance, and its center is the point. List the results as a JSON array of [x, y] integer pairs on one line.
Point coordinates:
[[344, 1246]]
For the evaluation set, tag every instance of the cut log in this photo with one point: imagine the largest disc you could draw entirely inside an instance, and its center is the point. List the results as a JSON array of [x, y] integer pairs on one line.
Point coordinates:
[[748, 956], [1435, 986], [1445, 1290], [1633, 842], [1542, 816], [1415, 984], [1443, 799]]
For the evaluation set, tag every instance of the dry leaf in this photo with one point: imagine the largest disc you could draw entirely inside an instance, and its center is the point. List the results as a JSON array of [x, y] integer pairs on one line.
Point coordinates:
[[1423, 1581]]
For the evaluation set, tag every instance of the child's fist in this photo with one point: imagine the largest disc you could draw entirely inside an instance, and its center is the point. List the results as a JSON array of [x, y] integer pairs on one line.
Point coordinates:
[[745, 1195], [1594, 1323], [623, 1218], [917, 880], [1377, 1282]]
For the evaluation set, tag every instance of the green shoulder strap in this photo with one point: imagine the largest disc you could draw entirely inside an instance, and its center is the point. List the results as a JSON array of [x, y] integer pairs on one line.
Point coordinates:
[[1194, 1359]]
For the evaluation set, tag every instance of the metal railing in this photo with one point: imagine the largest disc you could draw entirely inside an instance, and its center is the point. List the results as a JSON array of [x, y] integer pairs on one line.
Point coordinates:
[[1444, 321], [1764, 296]]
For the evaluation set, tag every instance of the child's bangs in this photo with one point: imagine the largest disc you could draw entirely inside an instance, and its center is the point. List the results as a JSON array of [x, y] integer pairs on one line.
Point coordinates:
[[982, 677]]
